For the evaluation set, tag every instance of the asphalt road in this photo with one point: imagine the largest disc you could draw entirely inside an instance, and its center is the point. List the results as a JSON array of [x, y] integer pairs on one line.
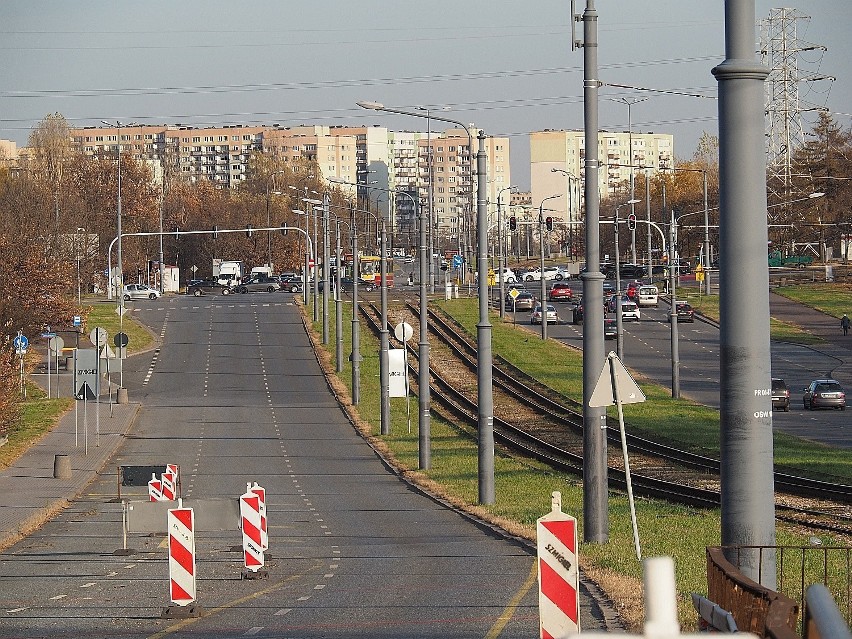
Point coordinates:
[[647, 350], [235, 395]]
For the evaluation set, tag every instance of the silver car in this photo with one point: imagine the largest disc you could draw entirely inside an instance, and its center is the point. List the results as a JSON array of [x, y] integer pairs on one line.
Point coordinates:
[[140, 292]]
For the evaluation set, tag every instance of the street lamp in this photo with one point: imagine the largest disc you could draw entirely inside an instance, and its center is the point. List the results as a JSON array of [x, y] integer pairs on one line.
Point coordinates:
[[542, 280], [501, 236], [270, 179], [573, 214], [618, 321], [630, 102], [377, 106], [118, 126], [79, 285]]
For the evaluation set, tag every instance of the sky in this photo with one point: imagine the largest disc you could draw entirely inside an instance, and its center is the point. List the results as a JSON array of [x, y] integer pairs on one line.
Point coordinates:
[[506, 67]]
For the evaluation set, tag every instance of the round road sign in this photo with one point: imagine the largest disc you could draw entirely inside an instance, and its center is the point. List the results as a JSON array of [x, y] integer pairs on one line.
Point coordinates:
[[120, 339], [98, 336], [55, 344], [403, 332]]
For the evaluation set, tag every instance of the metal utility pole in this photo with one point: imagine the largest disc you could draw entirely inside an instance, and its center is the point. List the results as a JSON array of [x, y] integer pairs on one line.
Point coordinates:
[[356, 322], [748, 504], [485, 392], [595, 481], [326, 258], [674, 272]]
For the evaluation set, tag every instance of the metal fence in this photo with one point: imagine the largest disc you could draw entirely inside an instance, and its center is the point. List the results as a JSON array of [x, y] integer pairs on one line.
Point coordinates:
[[799, 567]]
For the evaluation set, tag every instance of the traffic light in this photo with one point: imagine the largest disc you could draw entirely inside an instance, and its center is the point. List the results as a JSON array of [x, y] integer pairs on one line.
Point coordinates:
[[548, 222], [284, 229], [631, 222], [177, 233], [249, 231], [215, 232], [513, 223]]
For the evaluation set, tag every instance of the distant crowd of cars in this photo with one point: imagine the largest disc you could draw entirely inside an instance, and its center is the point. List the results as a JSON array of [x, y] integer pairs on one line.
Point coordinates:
[[257, 283]]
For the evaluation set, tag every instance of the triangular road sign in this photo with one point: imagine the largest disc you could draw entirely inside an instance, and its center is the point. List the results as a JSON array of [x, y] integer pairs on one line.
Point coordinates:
[[107, 352], [613, 371], [85, 392]]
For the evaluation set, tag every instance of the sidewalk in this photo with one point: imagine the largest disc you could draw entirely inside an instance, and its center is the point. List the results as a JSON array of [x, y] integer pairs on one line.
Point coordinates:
[[29, 493]]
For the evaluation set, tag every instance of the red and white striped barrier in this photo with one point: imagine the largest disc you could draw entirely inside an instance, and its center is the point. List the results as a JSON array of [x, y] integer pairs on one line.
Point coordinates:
[[168, 480], [558, 576], [181, 527], [155, 489], [250, 524], [261, 495]]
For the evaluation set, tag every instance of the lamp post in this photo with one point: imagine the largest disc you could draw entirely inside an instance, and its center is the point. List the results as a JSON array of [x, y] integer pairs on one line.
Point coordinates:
[[501, 236], [118, 126], [542, 280], [384, 339], [618, 320], [630, 102], [573, 214], [377, 106], [270, 179], [79, 285]]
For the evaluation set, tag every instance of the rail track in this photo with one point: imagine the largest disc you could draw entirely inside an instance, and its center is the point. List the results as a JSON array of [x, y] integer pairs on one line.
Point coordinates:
[[533, 420]]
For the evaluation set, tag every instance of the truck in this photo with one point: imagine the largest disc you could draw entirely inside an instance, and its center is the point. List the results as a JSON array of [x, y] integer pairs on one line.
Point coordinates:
[[790, 261], [228, 272], [266, 270]]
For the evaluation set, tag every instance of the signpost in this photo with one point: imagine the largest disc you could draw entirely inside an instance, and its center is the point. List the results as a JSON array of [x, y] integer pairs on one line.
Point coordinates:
[[21, 343], [404, 332], [616, 386]]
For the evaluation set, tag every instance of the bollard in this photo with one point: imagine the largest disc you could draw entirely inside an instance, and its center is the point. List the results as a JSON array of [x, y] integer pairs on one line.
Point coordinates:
[[121, 396], [61, 467]]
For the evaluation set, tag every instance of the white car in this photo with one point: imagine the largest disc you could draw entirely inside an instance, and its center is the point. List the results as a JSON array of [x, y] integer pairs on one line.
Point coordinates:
[[550, 273], [552, 318], [630, 312], [140, 292]]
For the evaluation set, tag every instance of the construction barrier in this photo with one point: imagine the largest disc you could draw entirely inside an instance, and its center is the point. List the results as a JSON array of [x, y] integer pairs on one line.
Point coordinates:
[[250, 524], [558, 576], [155, 489], [261, 495], [181, 525], [168, 480]]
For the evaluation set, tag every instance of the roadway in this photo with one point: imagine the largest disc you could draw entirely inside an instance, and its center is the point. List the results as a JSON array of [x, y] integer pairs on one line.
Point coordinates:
[[234, 394], [647, 350]]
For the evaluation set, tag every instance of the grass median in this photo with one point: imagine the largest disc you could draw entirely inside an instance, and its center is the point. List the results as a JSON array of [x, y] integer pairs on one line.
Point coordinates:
[[523, 487]]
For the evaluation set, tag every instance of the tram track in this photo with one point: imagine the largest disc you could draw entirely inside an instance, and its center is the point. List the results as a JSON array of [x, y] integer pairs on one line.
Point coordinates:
[[535, 421]]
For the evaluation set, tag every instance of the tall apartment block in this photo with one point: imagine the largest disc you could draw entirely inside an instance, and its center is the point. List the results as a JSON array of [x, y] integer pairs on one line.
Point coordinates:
[[564, 151], [368, 156]]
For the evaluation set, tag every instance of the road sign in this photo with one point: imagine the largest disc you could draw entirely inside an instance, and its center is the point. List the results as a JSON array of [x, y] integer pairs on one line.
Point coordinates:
[[21, 343], [78, 321], [86, 377], [193, 268], [56, 344], [120, 339], [514, 293], [457, 261], [98, 336], [604, 392], [403, 331]]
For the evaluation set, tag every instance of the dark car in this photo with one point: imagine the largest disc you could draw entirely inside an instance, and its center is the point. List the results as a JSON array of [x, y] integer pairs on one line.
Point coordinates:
[[610, 328], [632, 271], [780, 395], [293, 283], [824, 393], [348, 284], [560, 290], [684, 312], [204, 287], [577, 312], [259, 283], [523, 302]]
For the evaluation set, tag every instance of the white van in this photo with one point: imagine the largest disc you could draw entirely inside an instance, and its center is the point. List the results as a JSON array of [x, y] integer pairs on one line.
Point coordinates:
[[648, 296]]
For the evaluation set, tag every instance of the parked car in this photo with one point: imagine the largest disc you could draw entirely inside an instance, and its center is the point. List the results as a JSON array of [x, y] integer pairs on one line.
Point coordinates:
[[523, 302], [259, 283], [294, 283], [610, 328], [683, 311], [824, 393], [348, 284], [552, 318], [560, 290], [203, 287], [780, 395], [140, 292]]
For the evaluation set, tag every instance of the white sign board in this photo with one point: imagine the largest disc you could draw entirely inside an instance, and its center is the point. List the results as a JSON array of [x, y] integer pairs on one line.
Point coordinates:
[[397, 386], [87, 381]]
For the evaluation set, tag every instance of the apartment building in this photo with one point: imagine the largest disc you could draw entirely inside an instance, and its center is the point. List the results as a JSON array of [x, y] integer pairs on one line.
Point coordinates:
[[557, 165]]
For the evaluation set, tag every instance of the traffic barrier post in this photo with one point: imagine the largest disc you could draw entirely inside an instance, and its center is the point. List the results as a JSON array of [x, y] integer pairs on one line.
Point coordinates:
[[182, 583], [558, 576], [264, 533], [250, 524]]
